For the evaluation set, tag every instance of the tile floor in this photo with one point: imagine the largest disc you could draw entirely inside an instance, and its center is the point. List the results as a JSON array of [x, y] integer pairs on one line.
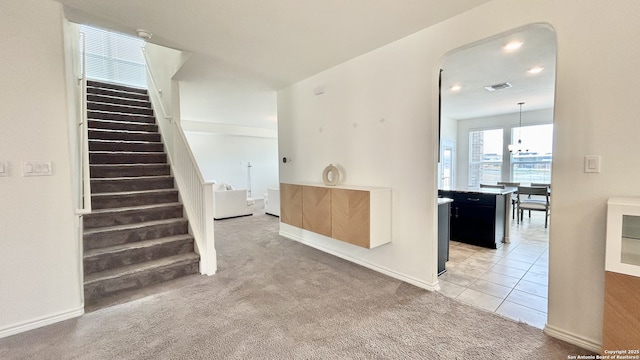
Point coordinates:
[[511, 281]]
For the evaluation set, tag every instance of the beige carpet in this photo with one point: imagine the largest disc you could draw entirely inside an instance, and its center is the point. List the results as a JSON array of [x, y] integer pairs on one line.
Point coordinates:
[[273, 298]]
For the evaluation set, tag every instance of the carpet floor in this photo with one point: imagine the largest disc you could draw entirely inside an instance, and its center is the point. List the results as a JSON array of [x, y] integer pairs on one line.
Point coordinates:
[[274, 298]]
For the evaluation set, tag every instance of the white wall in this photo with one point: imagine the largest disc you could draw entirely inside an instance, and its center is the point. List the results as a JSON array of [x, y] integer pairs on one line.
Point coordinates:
[[376, 121], [448, 129], [204, 100], [594, 114], [163, 64], [229, 121], [225, 156], [39, 241], [506, 122]]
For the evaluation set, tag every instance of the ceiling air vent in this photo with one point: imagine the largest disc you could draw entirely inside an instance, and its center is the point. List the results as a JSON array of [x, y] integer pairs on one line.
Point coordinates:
[[498, 86]]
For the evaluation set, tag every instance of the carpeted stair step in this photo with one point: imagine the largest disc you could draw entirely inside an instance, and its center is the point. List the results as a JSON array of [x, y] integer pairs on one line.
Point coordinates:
[[123, 109], [118, 99], [129, 233], [117, 93], [108, 258], [111, 282], [120, 117], [105, 134], [140, 183], [128, 170], [126, 157], [116, 87], [129, 146], [133, 198], [132, 215], [121, 125]]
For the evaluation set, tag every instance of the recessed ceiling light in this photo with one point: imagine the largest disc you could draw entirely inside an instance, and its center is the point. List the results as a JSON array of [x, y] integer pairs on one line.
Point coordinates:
[[535, 70], [456, 87], [514, 45]]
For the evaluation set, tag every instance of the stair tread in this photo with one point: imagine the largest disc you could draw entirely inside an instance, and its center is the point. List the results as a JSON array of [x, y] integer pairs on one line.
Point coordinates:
[[129, 165], [135, 245], [141, 178], [140, 142], [137, 132], [141, 267], [134, 192], [99, 111], [134, 208], [101, 84], [127, 152], [134, 225], [117, 104], [122, 113], [118, 98], [120, 122]]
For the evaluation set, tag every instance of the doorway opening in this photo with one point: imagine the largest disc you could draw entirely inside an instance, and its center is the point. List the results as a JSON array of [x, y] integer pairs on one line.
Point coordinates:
[[481, 87]]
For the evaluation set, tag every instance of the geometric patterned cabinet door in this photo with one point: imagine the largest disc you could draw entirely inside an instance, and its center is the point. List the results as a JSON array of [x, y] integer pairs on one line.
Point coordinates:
[[350, 216], [316, 209], [291, 204], [621, 323]]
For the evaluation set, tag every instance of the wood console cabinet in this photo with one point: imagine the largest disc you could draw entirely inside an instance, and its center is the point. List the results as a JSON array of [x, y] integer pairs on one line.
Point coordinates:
[[621, 318], [358, 215]]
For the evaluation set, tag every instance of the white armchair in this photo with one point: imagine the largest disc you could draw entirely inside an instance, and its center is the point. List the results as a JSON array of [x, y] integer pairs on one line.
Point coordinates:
[[272, 206], [231, 203]]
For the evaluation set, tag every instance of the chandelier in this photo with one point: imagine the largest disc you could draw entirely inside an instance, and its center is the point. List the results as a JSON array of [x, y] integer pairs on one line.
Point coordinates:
[[518, 147]]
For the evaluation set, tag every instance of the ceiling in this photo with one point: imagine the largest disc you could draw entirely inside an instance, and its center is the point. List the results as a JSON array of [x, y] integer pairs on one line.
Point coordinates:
[[488, 63], [275, 42]]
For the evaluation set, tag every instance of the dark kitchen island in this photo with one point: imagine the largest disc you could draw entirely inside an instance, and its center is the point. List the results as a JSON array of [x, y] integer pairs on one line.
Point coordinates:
[[480, 216]]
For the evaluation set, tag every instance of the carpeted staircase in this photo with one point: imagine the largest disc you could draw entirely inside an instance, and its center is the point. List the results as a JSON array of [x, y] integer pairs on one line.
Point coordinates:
[[136, 235]]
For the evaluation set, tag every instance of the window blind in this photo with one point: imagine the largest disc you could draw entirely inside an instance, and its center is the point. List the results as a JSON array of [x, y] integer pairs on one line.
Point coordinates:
[[114, 58]]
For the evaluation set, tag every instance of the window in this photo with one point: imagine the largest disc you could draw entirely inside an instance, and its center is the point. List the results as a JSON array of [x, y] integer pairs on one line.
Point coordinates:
[[446, 165], [114, 58], [533, 166], [485, 157]]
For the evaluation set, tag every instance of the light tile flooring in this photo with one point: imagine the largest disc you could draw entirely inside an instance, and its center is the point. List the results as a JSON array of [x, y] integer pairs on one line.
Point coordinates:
[[511, 281]]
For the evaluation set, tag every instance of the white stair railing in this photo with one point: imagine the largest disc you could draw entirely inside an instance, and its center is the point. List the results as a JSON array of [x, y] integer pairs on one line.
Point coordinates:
[[196, 193], [197, 198], [156, 89], [83, 140]]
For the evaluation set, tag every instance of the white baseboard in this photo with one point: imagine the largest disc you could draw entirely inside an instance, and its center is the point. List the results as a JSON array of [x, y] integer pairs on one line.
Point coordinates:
[[381, 269], [43, 321], [571, 338]]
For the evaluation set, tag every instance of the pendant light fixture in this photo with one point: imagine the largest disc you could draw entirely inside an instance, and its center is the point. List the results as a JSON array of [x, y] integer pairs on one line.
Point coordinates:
[[518, 147]]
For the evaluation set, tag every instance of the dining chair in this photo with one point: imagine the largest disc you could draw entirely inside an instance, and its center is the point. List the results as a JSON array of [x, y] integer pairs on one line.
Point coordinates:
[[514, 196], [541, 184], [533, 199], [492, 186], [547, 185], [509, 184]]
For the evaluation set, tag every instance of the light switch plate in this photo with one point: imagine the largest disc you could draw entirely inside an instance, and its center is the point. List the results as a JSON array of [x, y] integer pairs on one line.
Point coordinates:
[[37, 168], [592, 163]]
